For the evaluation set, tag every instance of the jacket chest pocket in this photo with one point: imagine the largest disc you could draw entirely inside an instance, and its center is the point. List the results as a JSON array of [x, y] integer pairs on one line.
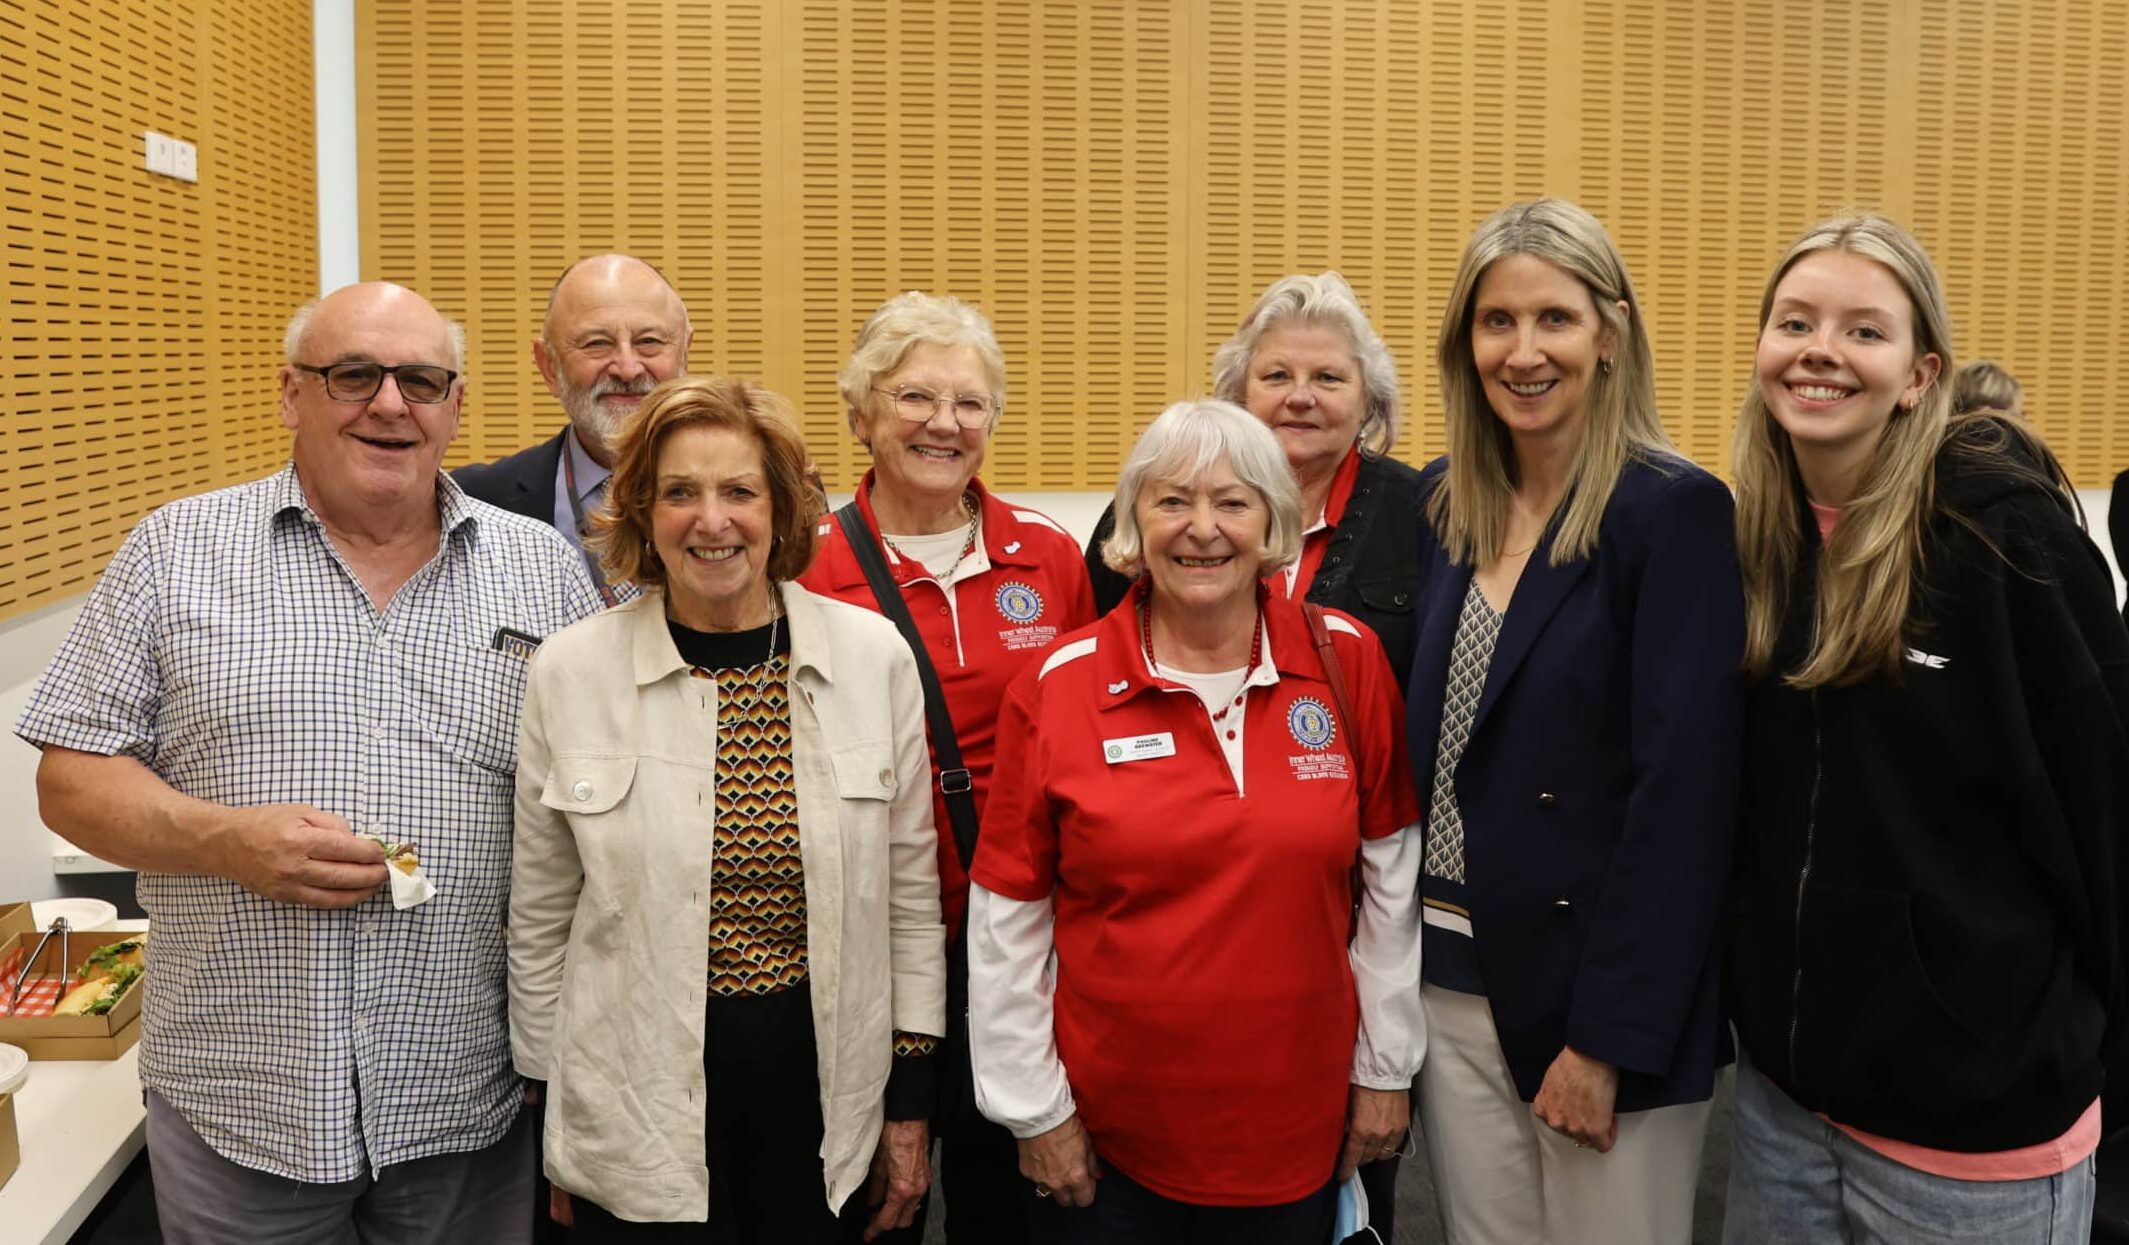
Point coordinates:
[[594, 793], [865, 787]]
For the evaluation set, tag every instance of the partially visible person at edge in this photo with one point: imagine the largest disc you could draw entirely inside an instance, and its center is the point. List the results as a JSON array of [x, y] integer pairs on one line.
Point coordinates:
[[1984, 387], [722, 782], [614, 328], [264, 677], [2118, 527], [1574, 717], [1175, 1006], [990, 585], [1927, 969], [1307, 362]]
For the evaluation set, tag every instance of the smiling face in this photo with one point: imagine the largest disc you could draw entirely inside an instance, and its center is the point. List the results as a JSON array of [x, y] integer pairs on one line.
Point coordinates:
[[711, 523], [1202, 540], [614, 331], [929, 463], [1536, 341], [1305, 383], [1838, 355], [382, 454]]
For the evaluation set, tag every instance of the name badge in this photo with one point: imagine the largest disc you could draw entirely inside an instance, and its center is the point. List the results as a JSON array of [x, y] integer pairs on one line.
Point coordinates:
[[1138, 747]]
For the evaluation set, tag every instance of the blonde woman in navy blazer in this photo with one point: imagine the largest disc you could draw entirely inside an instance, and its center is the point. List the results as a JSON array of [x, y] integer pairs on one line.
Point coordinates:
[[1574, 724]]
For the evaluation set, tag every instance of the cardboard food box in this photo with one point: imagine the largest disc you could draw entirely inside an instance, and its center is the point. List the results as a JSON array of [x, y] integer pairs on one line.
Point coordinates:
[[16, 918], [69, 1037], [10, 1145]]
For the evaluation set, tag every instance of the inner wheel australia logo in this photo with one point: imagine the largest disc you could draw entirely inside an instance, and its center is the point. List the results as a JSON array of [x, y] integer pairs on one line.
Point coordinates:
[[1310, 721], [1018, 602]]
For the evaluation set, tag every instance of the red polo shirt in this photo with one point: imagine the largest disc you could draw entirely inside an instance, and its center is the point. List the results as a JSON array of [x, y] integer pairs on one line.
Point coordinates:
[[997, 621], [1205, 1010]]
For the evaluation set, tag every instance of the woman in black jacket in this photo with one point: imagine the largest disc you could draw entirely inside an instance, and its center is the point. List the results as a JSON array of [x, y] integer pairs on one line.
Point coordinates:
[[1927, 968], [1306, 361]]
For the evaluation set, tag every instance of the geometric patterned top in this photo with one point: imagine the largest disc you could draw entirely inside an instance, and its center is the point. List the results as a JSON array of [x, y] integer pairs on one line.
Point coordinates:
[[758, 883], [1448, 958]]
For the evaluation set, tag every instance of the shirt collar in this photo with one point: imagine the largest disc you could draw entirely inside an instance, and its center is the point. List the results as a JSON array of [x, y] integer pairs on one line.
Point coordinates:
[[1122, 652], [1004, 538], [1334, 502], [284, 492], [589, 474]]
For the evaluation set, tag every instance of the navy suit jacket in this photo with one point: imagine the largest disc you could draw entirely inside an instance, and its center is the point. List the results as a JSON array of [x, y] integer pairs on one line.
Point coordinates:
[[1599, 785], [522, 483]]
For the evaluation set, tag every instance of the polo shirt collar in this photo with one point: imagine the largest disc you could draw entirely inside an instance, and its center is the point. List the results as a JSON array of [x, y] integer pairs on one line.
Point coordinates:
[[1341, 492], [1005, 538], [1122, 653]]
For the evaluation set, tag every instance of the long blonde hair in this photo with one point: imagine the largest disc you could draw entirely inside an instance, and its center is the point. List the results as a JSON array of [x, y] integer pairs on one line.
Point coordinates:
[[1867, 571], [1469, 510]]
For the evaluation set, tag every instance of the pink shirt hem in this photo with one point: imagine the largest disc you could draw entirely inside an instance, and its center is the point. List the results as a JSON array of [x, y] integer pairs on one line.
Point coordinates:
[[2049, 1158]]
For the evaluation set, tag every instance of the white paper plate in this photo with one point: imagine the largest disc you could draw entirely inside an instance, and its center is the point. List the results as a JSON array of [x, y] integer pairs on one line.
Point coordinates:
[[81, 914], [14, 1068]]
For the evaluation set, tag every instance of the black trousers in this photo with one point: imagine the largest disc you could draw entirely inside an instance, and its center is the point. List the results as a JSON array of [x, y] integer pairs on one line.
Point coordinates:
[[762, 1137], [1128, 1213]]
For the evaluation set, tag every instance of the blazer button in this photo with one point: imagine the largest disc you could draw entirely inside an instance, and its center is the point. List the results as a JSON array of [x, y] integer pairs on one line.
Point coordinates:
[[1400, 599], [1546, 799], [1562, 904], [887, 778], [582, 790]]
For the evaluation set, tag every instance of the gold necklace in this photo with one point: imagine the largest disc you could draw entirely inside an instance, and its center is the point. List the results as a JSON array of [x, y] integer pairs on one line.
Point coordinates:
[[968, 504]]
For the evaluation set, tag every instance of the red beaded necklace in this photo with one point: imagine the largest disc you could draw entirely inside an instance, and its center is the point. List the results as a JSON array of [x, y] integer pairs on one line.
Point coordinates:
[[1256, 648]]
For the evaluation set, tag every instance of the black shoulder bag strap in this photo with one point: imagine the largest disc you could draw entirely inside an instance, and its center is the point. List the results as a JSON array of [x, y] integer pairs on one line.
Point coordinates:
[[954, 782]]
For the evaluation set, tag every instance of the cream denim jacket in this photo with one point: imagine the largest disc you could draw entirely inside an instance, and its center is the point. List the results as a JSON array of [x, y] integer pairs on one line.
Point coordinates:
[[610, 892]]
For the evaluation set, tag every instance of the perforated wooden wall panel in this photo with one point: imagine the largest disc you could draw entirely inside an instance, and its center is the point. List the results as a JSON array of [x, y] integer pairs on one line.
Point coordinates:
[[1115, 181], [143, 313]]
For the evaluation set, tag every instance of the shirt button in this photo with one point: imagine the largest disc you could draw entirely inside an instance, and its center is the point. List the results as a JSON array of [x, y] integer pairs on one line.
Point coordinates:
[[1546, 800], [887, 778], [582, 791], [377, 734], [943, 609]]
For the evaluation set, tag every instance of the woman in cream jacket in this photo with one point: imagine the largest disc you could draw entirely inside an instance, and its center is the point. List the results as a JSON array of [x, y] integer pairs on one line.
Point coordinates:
[[726, 954]]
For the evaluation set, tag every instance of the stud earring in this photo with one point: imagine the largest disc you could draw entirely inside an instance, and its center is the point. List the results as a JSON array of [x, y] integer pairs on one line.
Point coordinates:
[[1604, 366]]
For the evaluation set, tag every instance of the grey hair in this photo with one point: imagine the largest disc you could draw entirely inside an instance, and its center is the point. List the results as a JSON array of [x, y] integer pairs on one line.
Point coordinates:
[[1184, 443], [299, 328], [902, 324], [1323, 299]]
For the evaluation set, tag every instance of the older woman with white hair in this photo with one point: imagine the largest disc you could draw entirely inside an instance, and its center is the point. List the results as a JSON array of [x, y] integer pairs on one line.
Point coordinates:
[[1173, 1007], [993, 583], [1307, 362]]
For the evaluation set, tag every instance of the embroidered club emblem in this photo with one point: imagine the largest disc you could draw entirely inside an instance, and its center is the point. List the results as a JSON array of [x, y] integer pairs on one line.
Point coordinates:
[[1310, 722], [1018, 602]]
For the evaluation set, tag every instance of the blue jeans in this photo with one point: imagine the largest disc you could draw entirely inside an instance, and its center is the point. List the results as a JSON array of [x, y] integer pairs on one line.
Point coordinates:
[[1794, 1177]]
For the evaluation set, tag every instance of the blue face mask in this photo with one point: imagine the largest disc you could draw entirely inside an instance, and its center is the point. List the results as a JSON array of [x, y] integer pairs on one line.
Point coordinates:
[[1352, 1214]]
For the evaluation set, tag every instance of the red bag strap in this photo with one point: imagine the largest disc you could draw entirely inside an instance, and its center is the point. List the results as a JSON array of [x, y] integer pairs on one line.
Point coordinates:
[[1320, 633]]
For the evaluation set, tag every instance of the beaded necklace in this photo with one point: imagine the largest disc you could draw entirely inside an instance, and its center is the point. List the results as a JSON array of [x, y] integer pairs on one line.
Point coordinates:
[[1256, 648]]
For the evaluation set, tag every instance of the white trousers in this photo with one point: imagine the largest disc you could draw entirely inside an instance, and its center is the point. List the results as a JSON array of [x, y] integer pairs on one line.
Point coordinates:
[[1504, 1178]]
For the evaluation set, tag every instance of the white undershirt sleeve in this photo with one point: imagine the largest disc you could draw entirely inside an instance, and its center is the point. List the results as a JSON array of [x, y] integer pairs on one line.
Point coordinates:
[[1385, 955], [1012, 966]]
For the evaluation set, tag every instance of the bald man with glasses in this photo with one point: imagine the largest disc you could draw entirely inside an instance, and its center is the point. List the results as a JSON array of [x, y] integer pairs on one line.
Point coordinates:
[[266, 680]]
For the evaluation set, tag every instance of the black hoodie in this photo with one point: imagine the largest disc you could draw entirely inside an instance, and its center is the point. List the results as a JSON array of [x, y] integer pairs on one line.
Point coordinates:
[[1930, 943]]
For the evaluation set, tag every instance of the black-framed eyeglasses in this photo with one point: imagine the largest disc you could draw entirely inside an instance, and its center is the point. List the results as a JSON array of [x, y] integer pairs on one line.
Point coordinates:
[[423, 383], [917, 405]]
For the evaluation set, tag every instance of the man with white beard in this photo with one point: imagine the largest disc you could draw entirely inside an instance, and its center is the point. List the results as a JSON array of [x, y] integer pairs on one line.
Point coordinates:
[[615, 327]]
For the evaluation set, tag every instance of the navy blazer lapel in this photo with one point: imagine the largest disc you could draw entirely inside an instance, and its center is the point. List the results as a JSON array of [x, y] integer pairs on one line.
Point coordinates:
[[1538, 596]]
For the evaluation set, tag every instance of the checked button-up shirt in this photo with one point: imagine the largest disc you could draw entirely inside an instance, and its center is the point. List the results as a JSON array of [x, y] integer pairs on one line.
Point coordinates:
[[230, 649]]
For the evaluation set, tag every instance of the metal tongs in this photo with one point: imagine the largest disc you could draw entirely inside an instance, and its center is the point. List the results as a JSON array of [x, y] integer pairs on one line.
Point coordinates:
[[29, 965]]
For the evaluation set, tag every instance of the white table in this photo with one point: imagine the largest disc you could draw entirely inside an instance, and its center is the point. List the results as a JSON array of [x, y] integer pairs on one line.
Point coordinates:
[[80, 1124]]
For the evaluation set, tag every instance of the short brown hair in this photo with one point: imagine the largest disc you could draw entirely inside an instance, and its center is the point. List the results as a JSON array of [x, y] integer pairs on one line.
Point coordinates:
[[621, 527]]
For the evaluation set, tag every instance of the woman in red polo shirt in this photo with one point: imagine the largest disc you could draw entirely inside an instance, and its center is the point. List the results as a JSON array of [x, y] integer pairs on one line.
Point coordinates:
[[1172, 1007], [988, 585]]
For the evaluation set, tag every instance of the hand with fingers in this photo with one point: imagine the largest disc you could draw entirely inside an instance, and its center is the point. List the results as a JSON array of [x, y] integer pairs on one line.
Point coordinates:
[[296, 854], [1575, 1100], [1375, 1123], [1062, 1164], [901, 1176]]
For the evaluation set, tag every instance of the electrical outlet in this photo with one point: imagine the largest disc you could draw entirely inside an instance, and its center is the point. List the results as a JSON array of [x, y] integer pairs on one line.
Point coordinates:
[[186, 166], [161, 156]]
